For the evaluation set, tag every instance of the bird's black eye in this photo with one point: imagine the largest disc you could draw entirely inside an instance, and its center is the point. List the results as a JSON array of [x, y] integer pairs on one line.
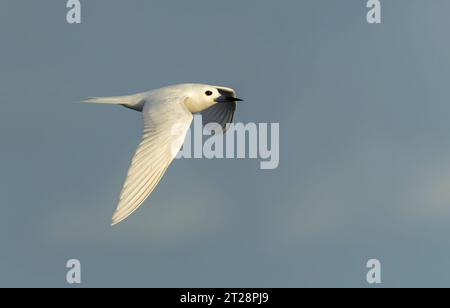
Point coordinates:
[[208, 93]]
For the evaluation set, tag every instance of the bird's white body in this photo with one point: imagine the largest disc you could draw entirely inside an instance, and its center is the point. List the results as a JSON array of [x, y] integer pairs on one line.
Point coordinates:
[[167, 114]]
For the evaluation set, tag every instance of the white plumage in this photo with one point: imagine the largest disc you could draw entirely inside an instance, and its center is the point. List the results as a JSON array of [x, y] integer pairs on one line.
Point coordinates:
[[167, 114]]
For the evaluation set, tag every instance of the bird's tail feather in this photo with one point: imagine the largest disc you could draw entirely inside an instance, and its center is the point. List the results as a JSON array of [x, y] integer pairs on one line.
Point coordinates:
[[131, 101]]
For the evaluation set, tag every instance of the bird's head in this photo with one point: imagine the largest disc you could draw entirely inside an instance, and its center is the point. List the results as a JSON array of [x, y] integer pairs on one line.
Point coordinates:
[[200, 97]]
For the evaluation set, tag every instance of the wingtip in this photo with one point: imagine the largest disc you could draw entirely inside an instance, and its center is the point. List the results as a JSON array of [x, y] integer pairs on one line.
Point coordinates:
[[116, 220]]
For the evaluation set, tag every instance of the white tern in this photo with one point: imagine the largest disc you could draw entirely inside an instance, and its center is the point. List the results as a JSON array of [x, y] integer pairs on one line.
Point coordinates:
[[167, 115]]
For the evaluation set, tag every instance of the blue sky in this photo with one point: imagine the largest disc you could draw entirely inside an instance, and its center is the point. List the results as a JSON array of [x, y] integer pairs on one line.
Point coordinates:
[[364, 147]]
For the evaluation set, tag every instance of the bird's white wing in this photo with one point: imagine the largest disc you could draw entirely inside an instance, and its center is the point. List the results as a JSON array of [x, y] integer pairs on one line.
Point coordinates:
[[221, 113], [166, 123]]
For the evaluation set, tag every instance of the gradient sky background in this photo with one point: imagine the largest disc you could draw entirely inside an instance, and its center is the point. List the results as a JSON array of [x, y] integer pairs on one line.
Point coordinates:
[[365, 144]]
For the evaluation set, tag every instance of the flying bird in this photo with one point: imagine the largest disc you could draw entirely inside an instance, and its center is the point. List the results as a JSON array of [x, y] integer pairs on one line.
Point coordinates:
[[167, 115]]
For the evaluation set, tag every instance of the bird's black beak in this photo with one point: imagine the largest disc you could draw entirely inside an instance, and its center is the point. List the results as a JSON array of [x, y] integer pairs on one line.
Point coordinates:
[[227, 97], [233, 99]]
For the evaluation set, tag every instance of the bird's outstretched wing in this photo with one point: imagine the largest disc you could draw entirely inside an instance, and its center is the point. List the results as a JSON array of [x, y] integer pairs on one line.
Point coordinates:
[[221, 113], [165, 126]]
